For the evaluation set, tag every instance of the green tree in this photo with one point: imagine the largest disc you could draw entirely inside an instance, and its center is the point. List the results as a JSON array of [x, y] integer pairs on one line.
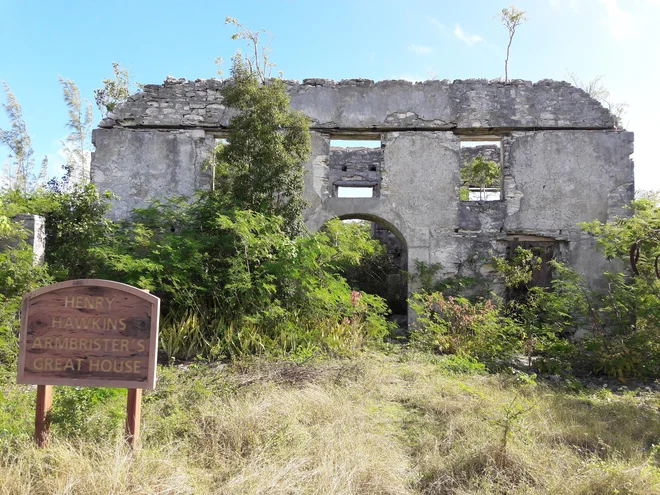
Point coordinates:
[[77, 143], [479, 173], [20, 169], [261, 166], [511, 17]]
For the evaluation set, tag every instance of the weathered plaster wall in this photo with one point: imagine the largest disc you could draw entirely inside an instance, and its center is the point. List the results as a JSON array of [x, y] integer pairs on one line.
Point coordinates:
[[563, 161], [364, 104], [141, 165], [358, 166]]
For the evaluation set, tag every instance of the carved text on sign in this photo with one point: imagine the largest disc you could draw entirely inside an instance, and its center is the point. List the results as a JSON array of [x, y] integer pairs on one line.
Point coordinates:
[[89, 332]]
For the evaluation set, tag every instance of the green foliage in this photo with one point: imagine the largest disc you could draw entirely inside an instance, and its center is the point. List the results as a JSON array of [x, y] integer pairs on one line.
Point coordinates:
[[457, 326], [115, 91], [76, 146], [631, 305], [86, 412], [372, 272], [234, 283], [517, 270], [427, 276], [18, 273], [260, 168], [479, 173], [20, 170], [76, 227], [547, 315], [461, 364]]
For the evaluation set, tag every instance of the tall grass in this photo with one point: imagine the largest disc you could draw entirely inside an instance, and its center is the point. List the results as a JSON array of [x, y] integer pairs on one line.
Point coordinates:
[[379, 424]]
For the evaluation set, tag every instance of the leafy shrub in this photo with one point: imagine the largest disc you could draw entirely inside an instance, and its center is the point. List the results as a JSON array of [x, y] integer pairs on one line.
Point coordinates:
[[18, 272], [234, 282], [462, 364], [89, 412], [550, 315], [457, 326], [631, 305], [76, 226]]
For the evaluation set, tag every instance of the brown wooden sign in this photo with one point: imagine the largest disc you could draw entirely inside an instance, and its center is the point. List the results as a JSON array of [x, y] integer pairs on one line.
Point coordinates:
[[94, 333]]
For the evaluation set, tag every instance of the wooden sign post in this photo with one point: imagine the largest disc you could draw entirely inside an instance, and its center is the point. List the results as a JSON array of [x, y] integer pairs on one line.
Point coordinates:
[[89, 333]]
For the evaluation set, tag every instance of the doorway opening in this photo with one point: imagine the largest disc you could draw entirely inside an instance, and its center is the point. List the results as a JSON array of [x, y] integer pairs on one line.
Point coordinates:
[[383, 273]]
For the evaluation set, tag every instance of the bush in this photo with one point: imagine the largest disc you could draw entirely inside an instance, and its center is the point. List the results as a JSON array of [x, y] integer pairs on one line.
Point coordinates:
[[18, 272], [457, 326], [234, 282]]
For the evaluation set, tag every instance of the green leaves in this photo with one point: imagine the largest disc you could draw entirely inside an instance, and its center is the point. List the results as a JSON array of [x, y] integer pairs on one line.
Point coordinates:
[[479, 173], [21, 173], [261, 166]]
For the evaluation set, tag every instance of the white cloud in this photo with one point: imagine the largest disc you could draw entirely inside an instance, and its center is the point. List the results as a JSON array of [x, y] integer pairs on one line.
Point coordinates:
[[470, 39], [621, 23], [420, 49], [436, 23]]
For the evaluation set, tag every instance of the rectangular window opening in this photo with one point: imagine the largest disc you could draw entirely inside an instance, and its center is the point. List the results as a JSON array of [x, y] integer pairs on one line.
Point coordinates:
[[355, 143], [355, 191], [355, 166], [481, 169]]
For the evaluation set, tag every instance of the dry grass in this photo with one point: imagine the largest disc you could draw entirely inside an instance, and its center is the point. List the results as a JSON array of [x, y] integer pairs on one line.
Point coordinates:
[[377, 425]]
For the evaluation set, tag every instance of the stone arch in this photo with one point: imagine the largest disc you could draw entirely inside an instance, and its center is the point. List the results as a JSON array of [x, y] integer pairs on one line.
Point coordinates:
[[377, 220], [398, 284]]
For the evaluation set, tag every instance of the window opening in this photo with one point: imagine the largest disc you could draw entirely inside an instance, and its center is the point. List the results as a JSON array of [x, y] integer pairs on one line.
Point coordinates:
[[383, 271], [355, 191], [355, 143], [481, 170], [354, 167]]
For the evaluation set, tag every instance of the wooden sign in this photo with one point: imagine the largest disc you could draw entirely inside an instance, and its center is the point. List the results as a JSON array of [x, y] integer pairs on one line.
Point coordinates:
[[94, 333]]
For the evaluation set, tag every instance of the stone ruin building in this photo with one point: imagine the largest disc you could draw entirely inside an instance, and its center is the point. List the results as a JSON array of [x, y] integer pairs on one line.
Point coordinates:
[[562, 162]]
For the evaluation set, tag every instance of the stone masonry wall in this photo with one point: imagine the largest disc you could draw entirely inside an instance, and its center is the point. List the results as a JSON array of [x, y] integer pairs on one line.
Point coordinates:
[[362, 104], [488, 151], [563, 162], [354, 165]]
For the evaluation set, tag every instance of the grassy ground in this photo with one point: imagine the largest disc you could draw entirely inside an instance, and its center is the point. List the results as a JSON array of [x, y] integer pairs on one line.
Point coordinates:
[[401, 423]]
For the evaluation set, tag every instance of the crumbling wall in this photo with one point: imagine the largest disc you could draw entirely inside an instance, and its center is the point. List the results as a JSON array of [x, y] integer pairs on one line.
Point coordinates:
[[563, 162], [357, 166], [35, 229], [488, 151], [139, 165], [362, 104]]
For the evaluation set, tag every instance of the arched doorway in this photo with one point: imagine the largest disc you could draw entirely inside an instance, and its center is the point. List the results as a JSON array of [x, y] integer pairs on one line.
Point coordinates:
[[386, 272]]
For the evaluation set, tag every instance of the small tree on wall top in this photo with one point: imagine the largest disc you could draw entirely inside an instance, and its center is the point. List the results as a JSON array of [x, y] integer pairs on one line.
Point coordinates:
[[511, 17], [260, 166]]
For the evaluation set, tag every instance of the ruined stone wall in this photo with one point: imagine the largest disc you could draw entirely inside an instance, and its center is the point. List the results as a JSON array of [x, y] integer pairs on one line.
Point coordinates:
[[35, 229], [563, 162], [354, 167], [488, 151]]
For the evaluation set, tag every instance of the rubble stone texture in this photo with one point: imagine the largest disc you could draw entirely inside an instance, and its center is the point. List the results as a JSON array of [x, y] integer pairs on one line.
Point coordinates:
[[563, 162]]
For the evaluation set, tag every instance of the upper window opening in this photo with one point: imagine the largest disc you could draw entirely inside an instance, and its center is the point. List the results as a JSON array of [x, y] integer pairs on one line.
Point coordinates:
[[355, 143], [354, 168], [355, 192], [481, 170]]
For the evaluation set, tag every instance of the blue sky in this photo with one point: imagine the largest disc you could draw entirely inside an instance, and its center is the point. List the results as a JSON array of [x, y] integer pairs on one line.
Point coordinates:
[[413, 39]]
